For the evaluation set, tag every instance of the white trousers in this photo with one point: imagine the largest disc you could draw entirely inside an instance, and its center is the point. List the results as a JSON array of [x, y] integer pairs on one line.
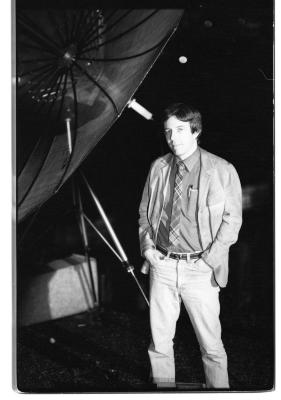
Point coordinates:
[[192, 282]]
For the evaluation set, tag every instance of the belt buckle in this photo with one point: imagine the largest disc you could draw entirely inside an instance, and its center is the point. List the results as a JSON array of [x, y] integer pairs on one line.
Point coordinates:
[[184, 256]]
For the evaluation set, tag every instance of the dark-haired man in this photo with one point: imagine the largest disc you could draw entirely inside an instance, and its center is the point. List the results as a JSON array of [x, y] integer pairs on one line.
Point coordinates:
[[190, 214]]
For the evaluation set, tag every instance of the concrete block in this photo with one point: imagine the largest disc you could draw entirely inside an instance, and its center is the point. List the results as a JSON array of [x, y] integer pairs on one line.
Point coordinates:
[[65, 289]]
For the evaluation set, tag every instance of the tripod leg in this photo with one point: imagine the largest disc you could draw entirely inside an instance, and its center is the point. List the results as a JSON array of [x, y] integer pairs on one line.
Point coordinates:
[[123, 256], [85, 242]]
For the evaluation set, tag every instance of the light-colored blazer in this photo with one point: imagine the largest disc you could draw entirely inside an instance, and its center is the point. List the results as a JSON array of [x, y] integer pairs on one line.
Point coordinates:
[[219, 211]]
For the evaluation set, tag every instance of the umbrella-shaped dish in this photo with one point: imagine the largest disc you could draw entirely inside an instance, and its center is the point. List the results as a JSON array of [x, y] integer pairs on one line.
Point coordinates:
[[77, 69]]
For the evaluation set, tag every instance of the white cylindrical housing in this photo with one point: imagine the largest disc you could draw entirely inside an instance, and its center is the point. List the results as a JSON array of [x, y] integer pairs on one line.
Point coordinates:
[[140, 109], [68, 132]]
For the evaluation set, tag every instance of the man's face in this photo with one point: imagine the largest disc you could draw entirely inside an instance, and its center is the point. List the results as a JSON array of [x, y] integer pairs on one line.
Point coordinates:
[[179, 137]]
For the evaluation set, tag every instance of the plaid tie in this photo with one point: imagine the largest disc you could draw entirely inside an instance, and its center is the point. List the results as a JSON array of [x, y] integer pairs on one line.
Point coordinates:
[[174, 231]]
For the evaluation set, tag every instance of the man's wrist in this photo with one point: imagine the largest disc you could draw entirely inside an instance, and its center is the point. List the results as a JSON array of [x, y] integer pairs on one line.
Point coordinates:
[[148, 247]]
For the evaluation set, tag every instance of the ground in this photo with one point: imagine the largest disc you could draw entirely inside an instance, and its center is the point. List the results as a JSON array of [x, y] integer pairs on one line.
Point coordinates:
[[105, 350]]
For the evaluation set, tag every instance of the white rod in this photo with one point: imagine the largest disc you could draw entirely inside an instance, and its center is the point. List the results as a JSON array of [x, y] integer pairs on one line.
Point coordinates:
[[107, 223], [102, 237], [68, 131]]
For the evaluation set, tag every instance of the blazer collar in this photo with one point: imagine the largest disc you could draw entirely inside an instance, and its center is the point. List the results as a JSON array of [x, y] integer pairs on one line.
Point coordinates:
[[205, 175], [167, 160], [207, 164], [206, 161]]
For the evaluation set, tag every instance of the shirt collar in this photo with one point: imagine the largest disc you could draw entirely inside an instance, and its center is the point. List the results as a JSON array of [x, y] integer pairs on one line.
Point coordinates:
[[191, 160]]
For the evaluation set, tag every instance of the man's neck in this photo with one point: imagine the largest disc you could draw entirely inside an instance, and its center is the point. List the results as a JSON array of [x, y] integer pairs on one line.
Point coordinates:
[[188, 153]]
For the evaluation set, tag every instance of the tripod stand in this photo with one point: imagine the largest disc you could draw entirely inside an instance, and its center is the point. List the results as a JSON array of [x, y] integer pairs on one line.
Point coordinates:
[[82, 218]]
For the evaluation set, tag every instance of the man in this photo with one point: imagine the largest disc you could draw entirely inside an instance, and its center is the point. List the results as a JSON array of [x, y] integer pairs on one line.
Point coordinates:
[[190, 214]]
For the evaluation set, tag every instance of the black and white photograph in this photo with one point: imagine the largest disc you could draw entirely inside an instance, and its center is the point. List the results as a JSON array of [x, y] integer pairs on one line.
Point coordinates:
[[144, 184]]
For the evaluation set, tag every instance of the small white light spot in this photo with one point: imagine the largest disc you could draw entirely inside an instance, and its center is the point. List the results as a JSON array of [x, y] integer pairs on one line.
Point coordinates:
[[182, 59], [241, 21], [208, 23]]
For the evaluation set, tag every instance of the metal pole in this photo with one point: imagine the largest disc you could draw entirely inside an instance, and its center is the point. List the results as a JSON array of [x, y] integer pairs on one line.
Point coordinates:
[[76, 191], [106, 221], [69, 136], [125, 261], [86, 244], [102, 237], [130, 269]]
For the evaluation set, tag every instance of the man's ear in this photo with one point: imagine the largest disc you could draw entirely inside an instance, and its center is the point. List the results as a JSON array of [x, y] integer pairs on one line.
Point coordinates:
[[196, 134]]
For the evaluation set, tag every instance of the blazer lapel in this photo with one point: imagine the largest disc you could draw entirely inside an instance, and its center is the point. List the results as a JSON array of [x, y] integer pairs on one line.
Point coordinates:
[[204, 178]]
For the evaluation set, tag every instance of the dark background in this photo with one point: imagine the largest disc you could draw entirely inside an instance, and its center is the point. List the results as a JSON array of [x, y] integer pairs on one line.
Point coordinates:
[[229, 77]]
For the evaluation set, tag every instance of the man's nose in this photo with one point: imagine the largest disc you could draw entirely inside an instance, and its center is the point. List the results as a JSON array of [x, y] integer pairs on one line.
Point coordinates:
[[173, 135]]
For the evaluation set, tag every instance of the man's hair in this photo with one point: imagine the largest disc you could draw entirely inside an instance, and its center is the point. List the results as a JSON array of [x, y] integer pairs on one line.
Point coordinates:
[[184, 113]]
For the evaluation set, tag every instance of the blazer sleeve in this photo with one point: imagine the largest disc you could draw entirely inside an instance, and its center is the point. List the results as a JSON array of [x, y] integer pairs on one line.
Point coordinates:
[[227, 233], [145, 229]]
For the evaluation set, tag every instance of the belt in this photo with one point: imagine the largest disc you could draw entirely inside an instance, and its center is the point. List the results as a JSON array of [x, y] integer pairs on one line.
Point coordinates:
[[179, 256]]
